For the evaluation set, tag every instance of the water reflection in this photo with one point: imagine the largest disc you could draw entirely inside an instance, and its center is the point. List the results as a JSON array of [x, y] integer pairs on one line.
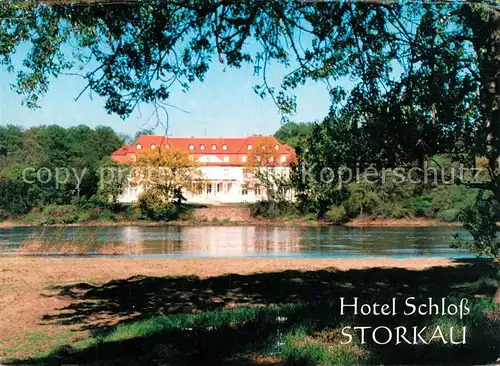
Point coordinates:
[[240, 241]]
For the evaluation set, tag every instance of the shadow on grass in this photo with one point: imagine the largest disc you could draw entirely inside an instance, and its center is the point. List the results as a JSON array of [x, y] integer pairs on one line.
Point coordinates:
[[188, 320]]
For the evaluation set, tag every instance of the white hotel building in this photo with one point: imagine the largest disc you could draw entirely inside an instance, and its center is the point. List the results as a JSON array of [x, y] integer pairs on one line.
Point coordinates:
[[222, 163]]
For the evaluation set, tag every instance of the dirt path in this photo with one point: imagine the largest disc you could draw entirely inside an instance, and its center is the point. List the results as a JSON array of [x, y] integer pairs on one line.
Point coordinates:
[[27, 294]]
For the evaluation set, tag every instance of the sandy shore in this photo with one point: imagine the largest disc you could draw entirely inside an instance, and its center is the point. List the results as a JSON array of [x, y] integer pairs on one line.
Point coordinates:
[[35, 292], [26, 281], [30, 269]]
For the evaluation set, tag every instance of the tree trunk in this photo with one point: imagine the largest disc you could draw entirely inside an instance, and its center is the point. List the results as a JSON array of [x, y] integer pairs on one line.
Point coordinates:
[[486, 40]]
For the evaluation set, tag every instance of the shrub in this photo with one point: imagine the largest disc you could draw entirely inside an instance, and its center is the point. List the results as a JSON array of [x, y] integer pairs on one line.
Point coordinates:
[[448, 201], [16, 198], [3, 215], [131, 212], [336, 214], [363, 199], [156, 210], [107, 215], [444, 202], [420, 206], [60, 214], [450, 215], [101, 202], [34, 217], [391, 210]]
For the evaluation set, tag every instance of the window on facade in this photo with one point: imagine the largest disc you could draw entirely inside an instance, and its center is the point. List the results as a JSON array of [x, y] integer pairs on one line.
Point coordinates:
[[228, 187], [249, 147], [283, 158], [226, 172], [209, 188], [244, 158], [214, 147], [191, 147], [202, 147], [244, 191], [139, 146], [219, 187], [153, 146], [257, 191]]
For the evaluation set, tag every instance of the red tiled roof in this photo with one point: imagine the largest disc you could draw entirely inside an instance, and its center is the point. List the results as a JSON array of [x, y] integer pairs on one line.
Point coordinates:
[[120, 156], [236, 148], [122, 150]]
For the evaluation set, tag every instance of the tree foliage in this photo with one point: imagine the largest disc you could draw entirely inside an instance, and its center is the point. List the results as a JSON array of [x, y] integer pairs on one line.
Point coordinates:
[[113, 178], [263, 171], [294, 134], [31, 159], [425, 77], [162, 171], [164, 174]]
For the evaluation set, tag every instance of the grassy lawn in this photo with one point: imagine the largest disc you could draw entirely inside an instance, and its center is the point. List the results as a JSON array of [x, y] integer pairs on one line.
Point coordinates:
[[288, 317]]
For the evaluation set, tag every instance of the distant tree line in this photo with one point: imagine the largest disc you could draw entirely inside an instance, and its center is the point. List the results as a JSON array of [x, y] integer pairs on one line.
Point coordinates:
[[53, 165]]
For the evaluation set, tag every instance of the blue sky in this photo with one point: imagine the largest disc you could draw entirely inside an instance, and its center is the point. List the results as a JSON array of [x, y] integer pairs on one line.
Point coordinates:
[[224, 105]]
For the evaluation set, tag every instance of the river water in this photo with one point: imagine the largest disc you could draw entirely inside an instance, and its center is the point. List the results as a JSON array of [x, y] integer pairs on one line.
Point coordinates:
[[249, 241]]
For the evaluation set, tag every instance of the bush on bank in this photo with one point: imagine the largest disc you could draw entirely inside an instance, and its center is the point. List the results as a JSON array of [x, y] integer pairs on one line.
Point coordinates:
[[153, 209], [75, 214], [274, 209], [445, 202]]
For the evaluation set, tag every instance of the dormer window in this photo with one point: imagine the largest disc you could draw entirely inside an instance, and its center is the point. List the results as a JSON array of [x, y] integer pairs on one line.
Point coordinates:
[[283, 158], [191, 147], [249, 147], [214, 147], [276, 147], [153, 146], [224, 147], [139, 146], [202, 147], [166, 146]]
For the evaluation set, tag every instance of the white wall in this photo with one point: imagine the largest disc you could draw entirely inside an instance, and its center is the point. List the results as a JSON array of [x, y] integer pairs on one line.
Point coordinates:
[[231, 179]]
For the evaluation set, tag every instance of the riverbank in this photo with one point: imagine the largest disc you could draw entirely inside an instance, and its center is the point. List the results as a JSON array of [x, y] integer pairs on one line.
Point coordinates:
[[199, 215], [366, 222], [146, 223], [416, 222], [141, 311]]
